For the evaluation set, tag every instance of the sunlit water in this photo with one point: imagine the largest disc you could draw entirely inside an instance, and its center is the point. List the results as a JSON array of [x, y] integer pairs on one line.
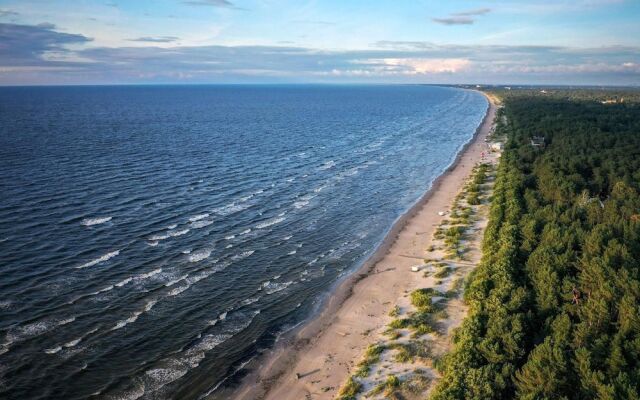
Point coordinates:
[[155, 238]]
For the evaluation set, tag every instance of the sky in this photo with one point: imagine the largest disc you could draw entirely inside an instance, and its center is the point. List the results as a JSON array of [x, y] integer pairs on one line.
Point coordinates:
[[575, 42]]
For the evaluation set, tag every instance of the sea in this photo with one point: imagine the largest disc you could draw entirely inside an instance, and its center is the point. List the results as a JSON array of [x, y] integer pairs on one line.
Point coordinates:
[[154, 239]]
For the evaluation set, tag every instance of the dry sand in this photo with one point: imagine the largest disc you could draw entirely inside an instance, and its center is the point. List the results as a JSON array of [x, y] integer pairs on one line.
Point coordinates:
[[315, 362]]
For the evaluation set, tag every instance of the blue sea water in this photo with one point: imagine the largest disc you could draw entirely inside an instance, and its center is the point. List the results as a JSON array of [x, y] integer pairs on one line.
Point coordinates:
[[152, 239]]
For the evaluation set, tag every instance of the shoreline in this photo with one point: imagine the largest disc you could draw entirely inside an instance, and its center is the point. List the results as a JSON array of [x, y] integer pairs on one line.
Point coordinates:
[[277, 370]]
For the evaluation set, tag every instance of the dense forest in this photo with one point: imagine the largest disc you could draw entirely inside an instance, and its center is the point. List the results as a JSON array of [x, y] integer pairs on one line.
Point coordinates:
[[554, 306]]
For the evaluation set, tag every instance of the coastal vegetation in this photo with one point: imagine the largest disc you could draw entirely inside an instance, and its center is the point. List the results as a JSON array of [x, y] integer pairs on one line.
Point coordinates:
[[553, 306], [401, 364]]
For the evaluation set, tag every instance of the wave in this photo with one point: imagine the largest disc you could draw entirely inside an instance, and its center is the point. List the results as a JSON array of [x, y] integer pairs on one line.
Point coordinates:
[[201, 224], [246, 231], [198, 217], [95, 221], [34, 329], [124, 281], [173, 282], [243, 255], [53, 350], [248, 301], [199, 255], [292, 252], [134, 317], [99, 260], [230, 237], [106, 289], [231, 208], [168, 234], [270, 222], [327, 165], [274, 287]]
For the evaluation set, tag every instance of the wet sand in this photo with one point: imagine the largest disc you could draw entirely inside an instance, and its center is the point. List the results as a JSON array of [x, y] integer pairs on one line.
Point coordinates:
[[316, 359]]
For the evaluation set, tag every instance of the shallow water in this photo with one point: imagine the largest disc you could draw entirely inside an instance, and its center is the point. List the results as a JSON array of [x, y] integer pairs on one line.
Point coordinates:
[[155, 238]]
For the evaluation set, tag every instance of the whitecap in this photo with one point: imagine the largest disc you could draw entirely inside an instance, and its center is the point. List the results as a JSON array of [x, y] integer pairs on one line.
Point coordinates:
[[201, 224], [172, 226], [123, 323], [248, 301], [178, 290], [73, 343], [228, 246], [178, 233], [149, 274], [199, 255], [292, 252], [245, 231], [301, 204], [124, 281], [173, 282], [153, 244], [198, 217], [242, 255], [95, 221], [273, 287], [53, 350], [167, 235], [99, 260], [34, 329], [230, 237], [270, 222], [327, 165], [287, 237]]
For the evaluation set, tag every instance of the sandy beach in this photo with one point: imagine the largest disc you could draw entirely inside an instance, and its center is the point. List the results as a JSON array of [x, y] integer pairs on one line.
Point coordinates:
[[315, 361]]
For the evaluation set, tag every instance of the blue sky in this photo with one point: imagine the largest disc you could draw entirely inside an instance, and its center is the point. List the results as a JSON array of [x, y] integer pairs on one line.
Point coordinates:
[[271, 41]]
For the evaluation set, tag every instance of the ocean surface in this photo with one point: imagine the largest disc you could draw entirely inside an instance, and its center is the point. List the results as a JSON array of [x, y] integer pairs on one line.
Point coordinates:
[[154, 239]]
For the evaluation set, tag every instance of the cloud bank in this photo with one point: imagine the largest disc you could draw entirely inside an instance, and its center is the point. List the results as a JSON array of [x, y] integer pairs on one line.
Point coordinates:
[[42, 55]]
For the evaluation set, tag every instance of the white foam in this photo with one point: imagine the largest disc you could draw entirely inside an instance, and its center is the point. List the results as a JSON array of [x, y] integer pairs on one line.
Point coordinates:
[[301, 204], [327, 165], [198, 217], [34, 329], [73, 343], [178, 290], [173, 282], [270, 222], [99, 260], [199, 255], [153, 244], [95, 221], [201, 224], [134, 317], [230, 237], [287, 237], [245, 231], [273, 287], [292, 252], [124, 281], [242, 255], [149, 274], [172, 226], [248, 301], [231, 208], [168, 234], [106, 289], [53, 350]]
